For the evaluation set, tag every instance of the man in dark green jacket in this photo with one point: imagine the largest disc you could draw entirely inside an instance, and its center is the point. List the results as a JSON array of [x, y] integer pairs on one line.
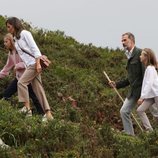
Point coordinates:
[[134, 79]]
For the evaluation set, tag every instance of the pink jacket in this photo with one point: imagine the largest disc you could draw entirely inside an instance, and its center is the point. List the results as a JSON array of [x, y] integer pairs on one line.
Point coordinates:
[[13, 60]]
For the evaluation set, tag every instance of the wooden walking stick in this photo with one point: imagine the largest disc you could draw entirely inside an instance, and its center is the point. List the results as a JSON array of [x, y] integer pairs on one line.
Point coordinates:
[[123, 101]]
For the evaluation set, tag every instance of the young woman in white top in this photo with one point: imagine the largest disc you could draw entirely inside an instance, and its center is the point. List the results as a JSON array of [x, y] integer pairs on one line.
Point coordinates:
[[24, 42], [149, 92]]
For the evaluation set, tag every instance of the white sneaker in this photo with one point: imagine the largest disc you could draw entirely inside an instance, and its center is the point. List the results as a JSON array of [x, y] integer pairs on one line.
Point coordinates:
[[149, 130], [45, 119], [23, 110], [27, 112], [3, 145]]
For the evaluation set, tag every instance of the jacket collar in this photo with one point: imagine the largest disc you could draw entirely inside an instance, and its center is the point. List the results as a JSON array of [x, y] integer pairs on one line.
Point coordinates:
[[134, 52]]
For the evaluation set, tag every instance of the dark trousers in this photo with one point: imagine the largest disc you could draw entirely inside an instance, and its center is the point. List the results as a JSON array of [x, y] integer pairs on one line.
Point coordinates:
[[12, 89]]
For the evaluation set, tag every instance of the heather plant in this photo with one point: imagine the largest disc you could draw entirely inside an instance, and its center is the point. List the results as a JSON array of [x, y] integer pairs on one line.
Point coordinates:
[[90, 130]]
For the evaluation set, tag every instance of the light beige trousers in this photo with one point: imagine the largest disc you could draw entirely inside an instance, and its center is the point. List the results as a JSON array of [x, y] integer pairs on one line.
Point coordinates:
[[31, 76], [147, 103]]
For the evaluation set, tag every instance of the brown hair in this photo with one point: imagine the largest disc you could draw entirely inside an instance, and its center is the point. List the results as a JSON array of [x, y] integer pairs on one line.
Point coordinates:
[[16, 23], [151, 58], [130, 36]]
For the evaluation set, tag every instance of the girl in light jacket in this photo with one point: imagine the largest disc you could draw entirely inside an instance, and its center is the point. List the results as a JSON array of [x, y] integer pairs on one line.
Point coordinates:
[[24, 41], [149, 92], [14, 62]]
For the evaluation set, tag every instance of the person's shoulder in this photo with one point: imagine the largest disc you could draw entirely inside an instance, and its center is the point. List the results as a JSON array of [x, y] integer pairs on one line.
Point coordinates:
[[138, 49], [24, 32], [150, 68], [10, 55]]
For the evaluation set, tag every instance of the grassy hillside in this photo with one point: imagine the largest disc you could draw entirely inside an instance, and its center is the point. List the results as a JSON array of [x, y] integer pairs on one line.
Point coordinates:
[[89, 131]]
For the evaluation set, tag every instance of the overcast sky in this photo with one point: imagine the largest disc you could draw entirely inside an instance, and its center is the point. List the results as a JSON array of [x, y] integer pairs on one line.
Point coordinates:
[[100, 22]]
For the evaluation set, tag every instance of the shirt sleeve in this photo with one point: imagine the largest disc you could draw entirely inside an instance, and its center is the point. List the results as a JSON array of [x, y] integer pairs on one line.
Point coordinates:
[[31, 43], [20, 66], [122, 84], [147, 82], [6, 69]]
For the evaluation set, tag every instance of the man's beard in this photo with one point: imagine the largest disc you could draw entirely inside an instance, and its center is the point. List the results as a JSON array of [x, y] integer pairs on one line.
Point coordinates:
[[125, 48]]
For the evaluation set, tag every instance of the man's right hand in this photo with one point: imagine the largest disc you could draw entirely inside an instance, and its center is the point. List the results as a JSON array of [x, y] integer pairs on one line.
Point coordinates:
[[112, 84]]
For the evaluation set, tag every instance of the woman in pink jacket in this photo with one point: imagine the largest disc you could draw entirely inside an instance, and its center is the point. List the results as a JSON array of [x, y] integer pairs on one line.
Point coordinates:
[[14, 62]]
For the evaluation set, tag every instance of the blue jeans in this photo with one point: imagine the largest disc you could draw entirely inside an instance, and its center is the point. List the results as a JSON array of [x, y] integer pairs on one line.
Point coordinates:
[[12, 89], [125, 112]]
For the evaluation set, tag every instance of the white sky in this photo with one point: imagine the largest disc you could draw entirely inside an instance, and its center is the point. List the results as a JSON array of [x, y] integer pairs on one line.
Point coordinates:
[[100, 22]]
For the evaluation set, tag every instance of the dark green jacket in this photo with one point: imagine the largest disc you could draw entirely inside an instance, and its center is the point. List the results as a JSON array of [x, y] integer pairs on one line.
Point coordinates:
[[135, 75]]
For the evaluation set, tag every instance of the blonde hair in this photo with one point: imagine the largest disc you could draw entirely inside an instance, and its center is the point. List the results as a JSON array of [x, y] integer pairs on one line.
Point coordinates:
[[151, 58], [9, 36]]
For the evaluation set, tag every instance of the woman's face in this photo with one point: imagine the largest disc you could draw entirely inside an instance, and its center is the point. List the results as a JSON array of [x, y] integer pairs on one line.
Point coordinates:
[[10, 28], [143, 58], [7, 43]]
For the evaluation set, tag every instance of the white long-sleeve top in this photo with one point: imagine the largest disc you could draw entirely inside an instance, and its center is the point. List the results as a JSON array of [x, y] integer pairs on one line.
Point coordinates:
[[150, 83], [27, 43]]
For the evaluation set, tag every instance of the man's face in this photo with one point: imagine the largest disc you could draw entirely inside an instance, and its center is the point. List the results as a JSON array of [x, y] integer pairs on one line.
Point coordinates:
[[127, 43]]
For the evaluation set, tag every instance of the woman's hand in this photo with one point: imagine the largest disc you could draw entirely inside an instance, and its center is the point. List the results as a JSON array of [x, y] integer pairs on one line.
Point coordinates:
[[38, 65], [140, 101]]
